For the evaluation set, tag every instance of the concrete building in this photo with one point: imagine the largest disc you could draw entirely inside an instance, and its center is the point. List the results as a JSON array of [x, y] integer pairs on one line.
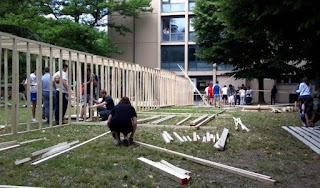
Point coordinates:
[[164, 38]]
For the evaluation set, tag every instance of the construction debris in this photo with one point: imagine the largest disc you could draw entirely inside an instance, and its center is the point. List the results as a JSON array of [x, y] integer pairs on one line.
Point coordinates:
[[237, 122], [245, 173]]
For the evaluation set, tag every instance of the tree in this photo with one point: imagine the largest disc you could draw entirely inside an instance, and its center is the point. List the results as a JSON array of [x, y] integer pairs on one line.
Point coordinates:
[[232, 32], [93, 12]]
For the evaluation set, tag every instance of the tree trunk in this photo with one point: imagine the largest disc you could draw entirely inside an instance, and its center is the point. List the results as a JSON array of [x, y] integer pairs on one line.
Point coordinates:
[[261, 93]]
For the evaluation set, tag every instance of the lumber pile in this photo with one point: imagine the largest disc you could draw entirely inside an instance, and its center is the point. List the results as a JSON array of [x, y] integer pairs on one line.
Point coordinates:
[[309, 136], [282, 109], [173, 172], [46, 152], [214, 138], [14, 144]]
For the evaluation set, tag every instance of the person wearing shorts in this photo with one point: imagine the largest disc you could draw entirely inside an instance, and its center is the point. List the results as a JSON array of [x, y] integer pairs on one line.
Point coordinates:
[[216, 94]]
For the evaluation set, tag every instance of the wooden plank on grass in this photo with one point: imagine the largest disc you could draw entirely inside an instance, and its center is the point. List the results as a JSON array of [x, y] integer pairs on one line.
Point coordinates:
[[167, 171], [194, 136], [165, 138], [30, 141], [6, 144], [178, 137], [243, 127], [181, 170], [302, 139], [222, 140], [10, 147], [18, 162], [147, 119], [15, 186], [198, 120], [245, 173], [168, 135], [39, 152], [76, 146], [184, 120], [205, 121], [163, 119]]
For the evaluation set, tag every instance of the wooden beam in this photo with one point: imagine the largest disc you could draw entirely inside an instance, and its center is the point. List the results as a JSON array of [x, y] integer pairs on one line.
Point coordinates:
[[167, 171], [198, 120], [76, 146], [147, 119], [205, 121], [10, 143], [178, 137], [168, 135], [165, 138], [163, 119], [182, 121], [39, 152], [10, 147], [181, 170], [245, 173], [222, 140]]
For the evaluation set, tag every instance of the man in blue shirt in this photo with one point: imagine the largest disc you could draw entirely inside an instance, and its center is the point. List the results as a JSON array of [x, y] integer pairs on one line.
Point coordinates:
[[46, 94], [216, 92]]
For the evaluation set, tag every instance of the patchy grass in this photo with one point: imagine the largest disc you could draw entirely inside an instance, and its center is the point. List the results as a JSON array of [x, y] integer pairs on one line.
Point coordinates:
[[266, 149]]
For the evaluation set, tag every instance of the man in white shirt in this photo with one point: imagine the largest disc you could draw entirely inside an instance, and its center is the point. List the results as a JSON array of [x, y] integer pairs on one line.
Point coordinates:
[[33, 93], [224, 95], [61, 83]]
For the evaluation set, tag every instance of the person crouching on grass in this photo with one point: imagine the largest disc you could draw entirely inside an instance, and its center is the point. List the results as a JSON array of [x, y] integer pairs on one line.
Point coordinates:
[[123, 119]]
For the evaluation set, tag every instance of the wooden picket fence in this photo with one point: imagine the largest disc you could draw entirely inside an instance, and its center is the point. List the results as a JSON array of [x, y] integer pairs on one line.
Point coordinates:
[[146, 88]]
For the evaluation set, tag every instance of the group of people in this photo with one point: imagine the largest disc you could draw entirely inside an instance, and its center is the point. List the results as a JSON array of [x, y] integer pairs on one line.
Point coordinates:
[[121, 118], [229, 95], [60, 84]]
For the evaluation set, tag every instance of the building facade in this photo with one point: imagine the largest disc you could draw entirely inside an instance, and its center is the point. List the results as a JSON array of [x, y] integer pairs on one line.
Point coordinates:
[[164, 38]]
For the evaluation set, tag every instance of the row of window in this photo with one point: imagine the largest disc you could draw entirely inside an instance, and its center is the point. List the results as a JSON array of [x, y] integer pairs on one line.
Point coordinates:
[[174, 29], [177, 5]]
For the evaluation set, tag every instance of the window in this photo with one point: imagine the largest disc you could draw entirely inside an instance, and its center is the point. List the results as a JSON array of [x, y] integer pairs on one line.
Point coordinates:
[[173, 5], [290, 79], [192, 4], [224, 67], [192, 34], [171, 56], [195, 63], [173, 29]]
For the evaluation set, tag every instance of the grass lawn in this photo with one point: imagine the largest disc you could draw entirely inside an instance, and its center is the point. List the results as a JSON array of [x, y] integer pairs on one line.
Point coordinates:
[[266, 149]]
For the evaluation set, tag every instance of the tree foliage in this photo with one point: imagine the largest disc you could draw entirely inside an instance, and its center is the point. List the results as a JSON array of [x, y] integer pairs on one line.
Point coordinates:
[[93, 12], [261, 39]]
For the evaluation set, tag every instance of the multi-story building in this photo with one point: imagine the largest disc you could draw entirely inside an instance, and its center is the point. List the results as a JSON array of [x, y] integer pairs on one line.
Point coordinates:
[[165, 37]]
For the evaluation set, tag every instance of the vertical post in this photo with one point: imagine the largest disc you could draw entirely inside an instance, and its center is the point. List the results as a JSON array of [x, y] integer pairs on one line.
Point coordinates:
[[28, 58], [79, 85], [39, 88], [15, 88], [6, 85], [51, 65]]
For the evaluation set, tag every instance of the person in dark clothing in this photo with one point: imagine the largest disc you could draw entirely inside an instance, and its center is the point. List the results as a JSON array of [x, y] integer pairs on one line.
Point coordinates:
[[123, 119], [274, 92], [106, 101], [86, 96]]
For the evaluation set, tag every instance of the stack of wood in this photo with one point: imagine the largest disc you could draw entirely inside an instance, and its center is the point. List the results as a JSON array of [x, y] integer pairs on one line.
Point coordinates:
[[239, 125], [46, 152], [282, 109], [173, 172], [14, 144]]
